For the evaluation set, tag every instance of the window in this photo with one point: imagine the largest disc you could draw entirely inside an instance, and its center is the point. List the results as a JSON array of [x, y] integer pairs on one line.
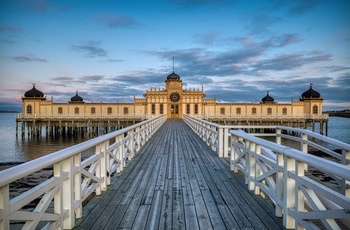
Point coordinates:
[[29, 109], [254, 110], [60, 110], [126, 110], [284, 111], [188, 108], [76, 110], [238, 111], [315, 109], [161, 109], [153, 109], [222, 110], [196, 109], [93, 110], [109, 110], [269, 111]]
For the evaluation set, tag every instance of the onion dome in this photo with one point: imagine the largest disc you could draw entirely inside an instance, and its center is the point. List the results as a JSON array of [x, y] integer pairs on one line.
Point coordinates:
[[34, 92], [310, 93], [173, 76], [77, 98], [267, 98]]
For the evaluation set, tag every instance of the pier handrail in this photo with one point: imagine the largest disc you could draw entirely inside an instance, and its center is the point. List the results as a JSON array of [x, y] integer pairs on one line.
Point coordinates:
[[278, 171], [303, 136], [74, 179], [299, 199]]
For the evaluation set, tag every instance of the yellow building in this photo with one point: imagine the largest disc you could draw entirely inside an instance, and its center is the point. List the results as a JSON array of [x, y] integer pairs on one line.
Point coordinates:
[[175, 101]]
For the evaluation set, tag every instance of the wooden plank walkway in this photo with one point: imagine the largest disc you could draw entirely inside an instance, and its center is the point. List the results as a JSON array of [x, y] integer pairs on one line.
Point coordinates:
[[177, 182]]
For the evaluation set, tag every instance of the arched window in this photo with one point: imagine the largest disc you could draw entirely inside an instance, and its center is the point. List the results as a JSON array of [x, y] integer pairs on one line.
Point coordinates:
[[161, 109], [153, 109], [238, 110], [269, 111], [315, 109], [29, 109], [284, 111], [109, 110], [254, 110], [76, 110], [196, 109], [60, 110], [126, 110], [222, 110], [93, 110]]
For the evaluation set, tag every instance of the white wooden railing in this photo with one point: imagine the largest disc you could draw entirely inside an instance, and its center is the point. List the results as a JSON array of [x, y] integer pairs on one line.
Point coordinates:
[[277, 171], [74, 179]]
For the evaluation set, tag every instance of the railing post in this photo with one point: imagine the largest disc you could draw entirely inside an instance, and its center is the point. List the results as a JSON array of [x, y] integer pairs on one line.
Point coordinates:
[[278, 137], [98, 168], [251, 165], [345, 184], [221, 142], [226, 141], [233, 155], [132, 142], [279, 184], [257, 171], [138, 139], [77, 185], [4, 207], [120, 153], [64, 198], [304, 146], [105, 167], [289, 192]]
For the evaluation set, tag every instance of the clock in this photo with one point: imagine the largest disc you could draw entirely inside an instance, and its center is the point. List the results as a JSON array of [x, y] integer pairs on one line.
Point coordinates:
[[175, 97]]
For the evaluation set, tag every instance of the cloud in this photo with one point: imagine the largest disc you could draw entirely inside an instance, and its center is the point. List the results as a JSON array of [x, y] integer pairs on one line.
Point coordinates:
[[199, 3], [114, 20], [297, 7], [260, 24], [26, 58], [111, 60], [92, 78], [10, 28], [207, 38], [90, 49], [291, 61]]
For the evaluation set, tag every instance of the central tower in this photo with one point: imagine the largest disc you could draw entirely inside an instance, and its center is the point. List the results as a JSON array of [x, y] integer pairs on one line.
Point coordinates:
[[174, 95]]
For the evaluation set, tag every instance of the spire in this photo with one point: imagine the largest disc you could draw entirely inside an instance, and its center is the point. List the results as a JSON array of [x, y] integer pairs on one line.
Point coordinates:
[[173, 64]]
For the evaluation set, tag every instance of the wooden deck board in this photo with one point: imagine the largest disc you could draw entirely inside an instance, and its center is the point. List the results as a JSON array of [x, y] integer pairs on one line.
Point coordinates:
[[177, 182]]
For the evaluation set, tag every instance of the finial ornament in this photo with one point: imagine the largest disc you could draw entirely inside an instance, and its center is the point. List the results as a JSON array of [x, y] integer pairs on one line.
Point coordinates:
[[173, 64], [33, 85]]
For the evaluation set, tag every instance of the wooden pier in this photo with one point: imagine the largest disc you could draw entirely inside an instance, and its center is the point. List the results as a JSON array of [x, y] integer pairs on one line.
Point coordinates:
[[177, 182]]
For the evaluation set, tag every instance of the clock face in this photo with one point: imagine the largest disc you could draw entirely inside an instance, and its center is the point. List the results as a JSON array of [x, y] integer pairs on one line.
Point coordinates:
[[175, 97]]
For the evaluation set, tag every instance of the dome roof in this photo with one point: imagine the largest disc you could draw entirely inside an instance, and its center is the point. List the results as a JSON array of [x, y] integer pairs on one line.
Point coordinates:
[[173, 76], [310, 93], [77, 98], [34, 92], [267, 98]]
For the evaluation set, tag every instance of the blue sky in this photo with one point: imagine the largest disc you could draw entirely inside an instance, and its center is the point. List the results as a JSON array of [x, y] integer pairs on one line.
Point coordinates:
[[237, 49]]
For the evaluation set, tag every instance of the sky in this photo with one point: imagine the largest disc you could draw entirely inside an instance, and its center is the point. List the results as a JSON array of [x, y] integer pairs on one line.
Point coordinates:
[[111, 51]]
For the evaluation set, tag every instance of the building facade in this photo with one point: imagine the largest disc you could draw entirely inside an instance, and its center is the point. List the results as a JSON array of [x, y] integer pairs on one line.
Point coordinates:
[[175, 101]]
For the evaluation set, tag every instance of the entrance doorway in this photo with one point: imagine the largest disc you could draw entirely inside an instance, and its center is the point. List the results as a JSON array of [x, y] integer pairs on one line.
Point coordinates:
[[174, 111]]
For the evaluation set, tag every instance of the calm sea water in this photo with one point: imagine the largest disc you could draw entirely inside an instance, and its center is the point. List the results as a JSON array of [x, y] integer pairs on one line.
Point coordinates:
[[18, 149]]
